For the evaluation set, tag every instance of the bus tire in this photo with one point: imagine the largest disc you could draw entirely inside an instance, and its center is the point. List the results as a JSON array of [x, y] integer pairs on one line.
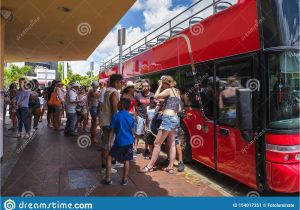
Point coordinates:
[[185, 144]]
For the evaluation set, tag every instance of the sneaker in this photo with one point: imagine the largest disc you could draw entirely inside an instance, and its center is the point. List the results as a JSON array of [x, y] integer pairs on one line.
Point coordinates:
[[27, 136], [165, 163], [118, 165], [180, 167], [134, 153], [113, 171], [107, 182], [19, 135], [124, 182]]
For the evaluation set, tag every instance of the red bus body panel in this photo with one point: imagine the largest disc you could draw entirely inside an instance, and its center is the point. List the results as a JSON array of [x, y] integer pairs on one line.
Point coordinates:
[[231, 32], [227, 33], [283, 175]]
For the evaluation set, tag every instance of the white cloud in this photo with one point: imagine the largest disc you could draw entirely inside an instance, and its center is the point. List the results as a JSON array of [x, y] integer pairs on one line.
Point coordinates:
[[155, 14]]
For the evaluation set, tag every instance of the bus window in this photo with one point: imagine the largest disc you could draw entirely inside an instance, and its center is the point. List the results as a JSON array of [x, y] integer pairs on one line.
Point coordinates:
[[284, 90], [229, 78]]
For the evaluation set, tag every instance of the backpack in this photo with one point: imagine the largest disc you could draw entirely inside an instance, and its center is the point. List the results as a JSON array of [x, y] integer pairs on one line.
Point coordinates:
[[54, 100], [155, 123]]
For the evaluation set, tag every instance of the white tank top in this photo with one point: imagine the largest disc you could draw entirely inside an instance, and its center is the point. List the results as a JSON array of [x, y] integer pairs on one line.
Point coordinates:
[[107, 108]]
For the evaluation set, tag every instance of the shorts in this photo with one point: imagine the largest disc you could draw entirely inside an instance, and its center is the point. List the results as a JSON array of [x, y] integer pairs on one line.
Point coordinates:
[[57, 109], [122, 153], [105, 137], [140, 126], [169, 122], [94, 111]]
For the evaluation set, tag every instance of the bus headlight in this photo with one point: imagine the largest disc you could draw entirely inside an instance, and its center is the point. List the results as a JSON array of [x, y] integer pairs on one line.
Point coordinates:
[[297, 157]]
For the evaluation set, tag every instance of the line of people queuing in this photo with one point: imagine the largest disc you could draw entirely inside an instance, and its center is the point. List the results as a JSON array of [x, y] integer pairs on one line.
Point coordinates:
[[126, 113]]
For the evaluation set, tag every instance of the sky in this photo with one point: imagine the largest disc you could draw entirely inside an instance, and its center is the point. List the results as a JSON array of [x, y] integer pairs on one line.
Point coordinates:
[[142, 18]]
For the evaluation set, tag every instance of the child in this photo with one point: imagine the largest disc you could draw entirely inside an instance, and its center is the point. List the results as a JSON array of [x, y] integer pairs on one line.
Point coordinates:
[[149, 137], [122, 124]]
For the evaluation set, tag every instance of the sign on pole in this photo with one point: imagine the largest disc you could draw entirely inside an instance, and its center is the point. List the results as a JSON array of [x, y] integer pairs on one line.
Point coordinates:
[[121, 42]]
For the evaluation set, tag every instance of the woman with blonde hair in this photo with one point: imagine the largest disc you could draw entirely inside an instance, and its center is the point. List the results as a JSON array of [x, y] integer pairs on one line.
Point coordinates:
[[170, 121]]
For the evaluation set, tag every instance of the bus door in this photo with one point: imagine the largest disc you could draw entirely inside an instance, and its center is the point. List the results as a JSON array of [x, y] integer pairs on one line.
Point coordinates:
[[235, 155]]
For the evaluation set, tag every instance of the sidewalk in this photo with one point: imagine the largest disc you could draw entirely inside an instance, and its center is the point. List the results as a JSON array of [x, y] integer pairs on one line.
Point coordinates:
[[54, 165]]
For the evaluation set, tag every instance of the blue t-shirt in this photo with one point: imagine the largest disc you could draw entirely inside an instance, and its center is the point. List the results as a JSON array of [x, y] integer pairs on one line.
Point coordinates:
[[123, 123]]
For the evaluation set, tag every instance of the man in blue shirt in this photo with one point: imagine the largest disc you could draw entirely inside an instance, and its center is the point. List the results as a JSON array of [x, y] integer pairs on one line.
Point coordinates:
[[122, 124]]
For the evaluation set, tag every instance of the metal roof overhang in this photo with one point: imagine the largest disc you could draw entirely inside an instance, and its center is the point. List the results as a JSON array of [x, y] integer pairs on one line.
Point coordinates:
[[53, 30]]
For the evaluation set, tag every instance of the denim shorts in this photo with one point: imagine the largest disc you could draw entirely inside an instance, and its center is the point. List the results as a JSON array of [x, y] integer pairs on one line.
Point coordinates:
[[93, 111], [169, 122], [140, 126]]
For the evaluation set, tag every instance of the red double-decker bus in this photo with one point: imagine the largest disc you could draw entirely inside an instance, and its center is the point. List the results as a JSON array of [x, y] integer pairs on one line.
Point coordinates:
[[239, 68]]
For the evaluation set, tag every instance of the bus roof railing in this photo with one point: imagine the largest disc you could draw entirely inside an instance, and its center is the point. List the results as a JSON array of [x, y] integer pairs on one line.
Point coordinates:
[[171, 30]]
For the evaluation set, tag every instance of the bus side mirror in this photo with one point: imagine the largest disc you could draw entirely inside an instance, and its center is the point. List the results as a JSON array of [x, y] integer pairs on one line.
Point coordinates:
[[244, 110]]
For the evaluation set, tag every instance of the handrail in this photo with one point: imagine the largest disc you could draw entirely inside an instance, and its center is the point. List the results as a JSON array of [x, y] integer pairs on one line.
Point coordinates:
[[127, 55]]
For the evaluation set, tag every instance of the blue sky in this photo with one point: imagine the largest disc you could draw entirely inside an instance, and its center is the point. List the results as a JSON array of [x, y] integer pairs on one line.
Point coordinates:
[[135, 18], [142, 18]]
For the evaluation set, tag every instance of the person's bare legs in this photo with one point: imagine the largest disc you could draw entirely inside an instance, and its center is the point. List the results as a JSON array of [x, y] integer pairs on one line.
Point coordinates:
[[108, 167], [104, 156], [172, 149], [85, 119], [161, 136], [126, 169], [136, 141], [179, 149], [93, 129]]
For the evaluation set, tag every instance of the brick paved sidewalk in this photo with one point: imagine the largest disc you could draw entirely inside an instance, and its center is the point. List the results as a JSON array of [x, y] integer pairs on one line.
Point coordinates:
[[54, 165]]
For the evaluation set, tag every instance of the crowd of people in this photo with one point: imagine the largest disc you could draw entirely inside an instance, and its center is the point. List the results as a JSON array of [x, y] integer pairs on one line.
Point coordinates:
[[125, 112]]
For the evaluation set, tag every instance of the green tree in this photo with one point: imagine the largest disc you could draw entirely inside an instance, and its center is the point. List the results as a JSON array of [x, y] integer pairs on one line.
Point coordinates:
[[13, 73], [69, 74], [60, 71]]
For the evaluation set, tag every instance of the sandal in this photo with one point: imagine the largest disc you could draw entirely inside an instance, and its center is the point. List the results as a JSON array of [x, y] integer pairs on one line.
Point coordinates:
[[169, 170], [146, 169]]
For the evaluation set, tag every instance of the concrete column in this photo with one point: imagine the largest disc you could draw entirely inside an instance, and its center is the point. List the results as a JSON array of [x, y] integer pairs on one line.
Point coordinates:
[[1, 84], [2, 51]]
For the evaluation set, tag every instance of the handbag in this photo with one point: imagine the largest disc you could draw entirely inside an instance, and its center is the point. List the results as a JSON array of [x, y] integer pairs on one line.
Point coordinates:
[[155, 123], [54, 100]]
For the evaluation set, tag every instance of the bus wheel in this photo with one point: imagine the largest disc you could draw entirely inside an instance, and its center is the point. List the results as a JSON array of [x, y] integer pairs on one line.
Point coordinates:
[[185, 144]]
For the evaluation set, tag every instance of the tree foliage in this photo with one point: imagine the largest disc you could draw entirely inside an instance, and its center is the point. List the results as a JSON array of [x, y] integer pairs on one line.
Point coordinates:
[[13, 73], [60, 71], [85, 80]]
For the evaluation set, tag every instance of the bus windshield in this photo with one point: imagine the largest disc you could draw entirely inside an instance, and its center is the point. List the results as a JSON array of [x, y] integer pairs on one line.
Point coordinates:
[[284, 81]]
